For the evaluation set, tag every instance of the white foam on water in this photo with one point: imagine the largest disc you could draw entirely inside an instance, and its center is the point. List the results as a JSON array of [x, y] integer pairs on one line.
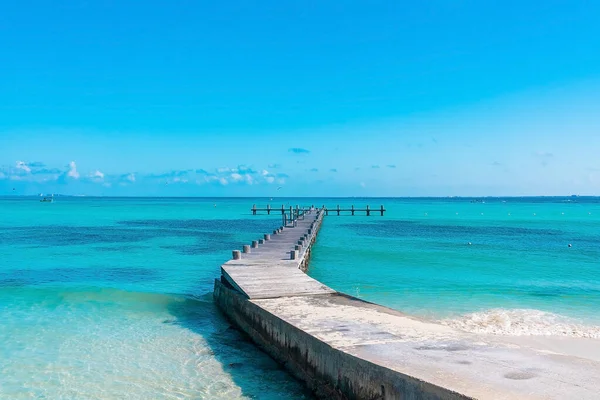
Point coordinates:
[[522, 322]]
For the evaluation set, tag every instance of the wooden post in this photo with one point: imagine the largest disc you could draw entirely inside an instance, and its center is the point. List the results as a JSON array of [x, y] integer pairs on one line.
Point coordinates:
[[268, 209], [275, 232], [254, 244], [267, 237], [261, 241], [236, 254], [338, 210], [246, 248], [298, 247], [291, 213], [254, 209], [282, 209], [382, 210], [368, 211], [293, 254]]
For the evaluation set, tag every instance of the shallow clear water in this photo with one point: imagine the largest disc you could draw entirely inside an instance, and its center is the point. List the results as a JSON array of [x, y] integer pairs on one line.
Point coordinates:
[[112, 298]]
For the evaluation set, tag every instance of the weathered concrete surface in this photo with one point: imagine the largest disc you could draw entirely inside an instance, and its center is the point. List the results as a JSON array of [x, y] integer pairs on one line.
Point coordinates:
[[343, 347], [329, 372], [268, 271]]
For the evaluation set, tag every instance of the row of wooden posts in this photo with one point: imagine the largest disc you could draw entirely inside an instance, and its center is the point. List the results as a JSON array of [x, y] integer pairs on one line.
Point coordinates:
[[299, 211], [295, 253]]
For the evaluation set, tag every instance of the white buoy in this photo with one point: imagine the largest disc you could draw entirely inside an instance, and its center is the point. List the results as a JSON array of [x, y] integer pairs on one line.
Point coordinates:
[[570, 245], [469, 243]]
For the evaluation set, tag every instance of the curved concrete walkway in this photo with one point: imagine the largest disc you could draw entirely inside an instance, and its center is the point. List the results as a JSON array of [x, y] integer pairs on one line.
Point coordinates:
[[343, 347]]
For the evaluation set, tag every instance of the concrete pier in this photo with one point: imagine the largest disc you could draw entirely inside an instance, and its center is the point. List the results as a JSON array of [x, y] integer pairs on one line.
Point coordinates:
[[346, 348]]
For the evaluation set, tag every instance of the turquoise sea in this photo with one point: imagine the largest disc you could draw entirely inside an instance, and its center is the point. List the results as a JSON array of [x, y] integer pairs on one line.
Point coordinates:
[[106, 298]]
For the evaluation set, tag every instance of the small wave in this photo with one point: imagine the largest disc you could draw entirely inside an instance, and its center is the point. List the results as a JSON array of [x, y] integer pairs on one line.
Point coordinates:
[[522, 322]]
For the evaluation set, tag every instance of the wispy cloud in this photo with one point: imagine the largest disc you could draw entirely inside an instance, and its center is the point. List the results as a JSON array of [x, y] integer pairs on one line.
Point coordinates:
[[239, 175], [391, 166], [314, 170], [544, 156], [274, 166], [96, 176], [22, 166], [130, 177], [375, 166], [497, 164], [298, 150], [72, 172], [333, 170]]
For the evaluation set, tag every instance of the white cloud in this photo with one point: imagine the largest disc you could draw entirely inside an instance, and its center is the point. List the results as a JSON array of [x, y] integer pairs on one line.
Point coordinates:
[[236, 177], [20, 165], [223, 181], [130, 177], [97, 176], [72, 173], [270, 179], [265, 172]]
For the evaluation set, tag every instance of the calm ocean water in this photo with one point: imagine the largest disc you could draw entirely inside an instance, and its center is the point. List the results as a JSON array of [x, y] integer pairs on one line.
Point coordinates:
[[112, 298]]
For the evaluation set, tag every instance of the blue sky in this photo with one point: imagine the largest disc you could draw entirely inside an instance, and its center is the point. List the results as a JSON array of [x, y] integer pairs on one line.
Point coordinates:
[[379, 98]]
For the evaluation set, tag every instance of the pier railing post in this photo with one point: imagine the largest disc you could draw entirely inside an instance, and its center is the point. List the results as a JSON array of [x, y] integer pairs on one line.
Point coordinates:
[[368, 211], [236, 254]]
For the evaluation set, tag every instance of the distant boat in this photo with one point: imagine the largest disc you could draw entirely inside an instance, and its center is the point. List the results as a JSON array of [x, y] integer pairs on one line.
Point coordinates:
[[47, 200]]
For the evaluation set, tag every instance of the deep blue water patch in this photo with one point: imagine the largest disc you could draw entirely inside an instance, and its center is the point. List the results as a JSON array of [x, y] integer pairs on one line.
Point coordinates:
[[413, 228], [204, 225], [58, 235], [26, 277]]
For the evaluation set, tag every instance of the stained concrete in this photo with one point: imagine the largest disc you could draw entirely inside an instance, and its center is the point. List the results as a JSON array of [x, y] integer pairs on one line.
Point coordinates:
[[346, 348]]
